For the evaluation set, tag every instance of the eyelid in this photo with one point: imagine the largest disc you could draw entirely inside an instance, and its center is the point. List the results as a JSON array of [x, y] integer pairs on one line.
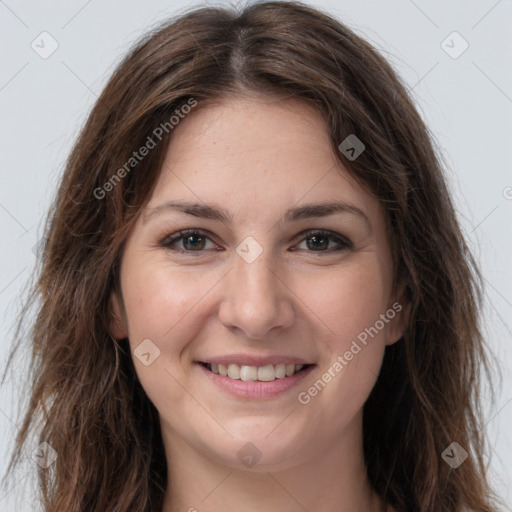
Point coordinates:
[[342, 241]]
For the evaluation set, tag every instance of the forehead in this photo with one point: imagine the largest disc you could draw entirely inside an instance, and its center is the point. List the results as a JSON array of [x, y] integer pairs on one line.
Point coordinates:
[[258, 156], [265, 129]]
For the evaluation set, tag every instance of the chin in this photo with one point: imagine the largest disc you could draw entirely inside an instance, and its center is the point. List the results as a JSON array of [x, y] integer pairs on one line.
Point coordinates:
[[259, 448]]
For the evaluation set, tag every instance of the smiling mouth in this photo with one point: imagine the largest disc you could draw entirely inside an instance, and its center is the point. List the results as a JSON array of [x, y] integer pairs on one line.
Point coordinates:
[[265, 373]]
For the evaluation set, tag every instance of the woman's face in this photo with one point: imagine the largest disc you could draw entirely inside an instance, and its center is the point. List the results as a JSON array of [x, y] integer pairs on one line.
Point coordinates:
[[258, 290]]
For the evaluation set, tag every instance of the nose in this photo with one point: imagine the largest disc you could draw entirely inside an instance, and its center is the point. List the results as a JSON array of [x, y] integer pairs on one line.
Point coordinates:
[[257, 298]]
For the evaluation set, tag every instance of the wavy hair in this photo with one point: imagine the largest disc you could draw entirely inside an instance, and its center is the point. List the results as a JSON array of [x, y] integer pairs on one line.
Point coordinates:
[[85, 400]]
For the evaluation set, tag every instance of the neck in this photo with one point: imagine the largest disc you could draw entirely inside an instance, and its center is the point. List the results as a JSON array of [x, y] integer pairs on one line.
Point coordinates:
[[334, 480]]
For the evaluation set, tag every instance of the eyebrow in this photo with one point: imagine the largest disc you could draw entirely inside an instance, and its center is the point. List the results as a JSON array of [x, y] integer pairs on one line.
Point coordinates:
[[305, 211]]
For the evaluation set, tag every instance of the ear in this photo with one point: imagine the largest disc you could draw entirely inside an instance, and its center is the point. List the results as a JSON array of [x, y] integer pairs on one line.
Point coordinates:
[[118, 324], [398, 315]]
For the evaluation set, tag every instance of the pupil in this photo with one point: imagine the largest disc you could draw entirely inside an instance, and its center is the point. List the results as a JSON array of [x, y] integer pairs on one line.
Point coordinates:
[[191, 238], [316, 238]]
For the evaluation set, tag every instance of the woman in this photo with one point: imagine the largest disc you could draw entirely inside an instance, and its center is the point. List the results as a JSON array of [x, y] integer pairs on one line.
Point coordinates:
[[254, 291]]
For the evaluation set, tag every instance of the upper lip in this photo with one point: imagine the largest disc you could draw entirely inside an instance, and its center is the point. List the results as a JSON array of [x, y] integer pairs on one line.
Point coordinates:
[[252, 360]]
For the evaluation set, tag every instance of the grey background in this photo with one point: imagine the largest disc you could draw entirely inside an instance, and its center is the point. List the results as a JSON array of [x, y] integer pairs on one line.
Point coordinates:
[[466, 101]]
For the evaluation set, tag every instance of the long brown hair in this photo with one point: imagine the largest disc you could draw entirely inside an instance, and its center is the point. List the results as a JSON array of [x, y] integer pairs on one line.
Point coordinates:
[[84, 391]]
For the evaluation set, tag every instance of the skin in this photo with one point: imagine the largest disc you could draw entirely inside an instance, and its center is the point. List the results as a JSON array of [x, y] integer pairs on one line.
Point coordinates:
[[256, 157]]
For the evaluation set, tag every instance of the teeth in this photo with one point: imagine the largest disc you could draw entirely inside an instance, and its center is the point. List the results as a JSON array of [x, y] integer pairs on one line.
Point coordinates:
[[280, 371], [248, 373], [234, 371], [266, 373], [290, 370], [252, 373]]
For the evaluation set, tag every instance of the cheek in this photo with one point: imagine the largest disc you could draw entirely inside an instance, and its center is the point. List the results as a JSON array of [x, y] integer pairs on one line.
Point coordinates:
[[347, 301], [162, 306], [161, 301], [349, 306]]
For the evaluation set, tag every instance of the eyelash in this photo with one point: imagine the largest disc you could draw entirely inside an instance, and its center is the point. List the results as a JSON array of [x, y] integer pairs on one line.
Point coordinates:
[[170, 240]]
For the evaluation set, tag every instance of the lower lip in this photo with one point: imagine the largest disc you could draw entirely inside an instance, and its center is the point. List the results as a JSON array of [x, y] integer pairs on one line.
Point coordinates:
[[255, 388]]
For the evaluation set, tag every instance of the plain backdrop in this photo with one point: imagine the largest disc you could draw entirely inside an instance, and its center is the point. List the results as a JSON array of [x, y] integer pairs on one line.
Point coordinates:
[[464, 95]]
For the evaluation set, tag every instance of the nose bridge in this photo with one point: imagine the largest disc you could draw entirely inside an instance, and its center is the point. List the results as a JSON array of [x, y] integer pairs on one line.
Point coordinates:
[[255, 300], [257, 275]]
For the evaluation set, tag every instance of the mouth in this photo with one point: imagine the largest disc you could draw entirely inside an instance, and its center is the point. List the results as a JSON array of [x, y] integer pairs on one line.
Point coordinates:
[[247, 373], [251, 376]]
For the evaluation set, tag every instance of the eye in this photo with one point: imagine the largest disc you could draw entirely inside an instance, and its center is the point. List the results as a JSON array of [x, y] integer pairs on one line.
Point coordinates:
[[194, 240], [318, 241]]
